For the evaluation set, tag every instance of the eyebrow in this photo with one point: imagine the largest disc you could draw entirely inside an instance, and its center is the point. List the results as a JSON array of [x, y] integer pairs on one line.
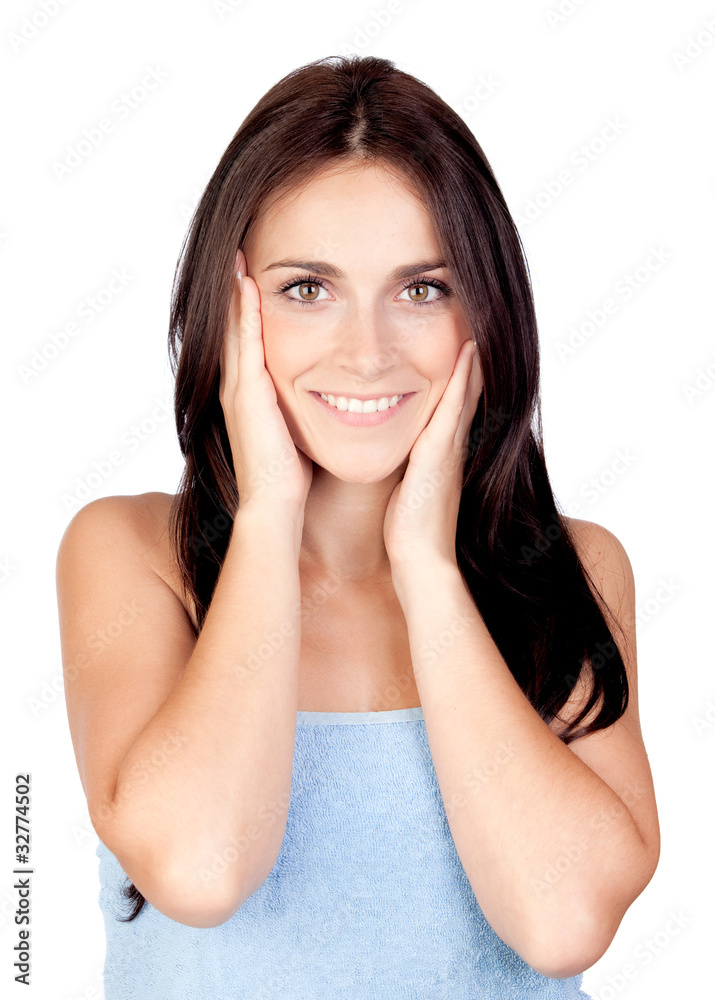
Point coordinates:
[[330, 271]]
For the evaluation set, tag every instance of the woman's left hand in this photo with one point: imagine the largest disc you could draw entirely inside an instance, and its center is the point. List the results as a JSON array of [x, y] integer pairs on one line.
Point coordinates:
[[421, 515]]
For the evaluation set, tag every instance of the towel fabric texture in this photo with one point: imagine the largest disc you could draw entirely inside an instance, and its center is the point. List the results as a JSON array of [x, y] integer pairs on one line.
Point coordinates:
[[367, 898]]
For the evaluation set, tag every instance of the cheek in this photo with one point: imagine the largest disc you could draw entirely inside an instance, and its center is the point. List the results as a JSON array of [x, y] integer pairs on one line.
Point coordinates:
[[288, 357], [436, 356], [281, 345]]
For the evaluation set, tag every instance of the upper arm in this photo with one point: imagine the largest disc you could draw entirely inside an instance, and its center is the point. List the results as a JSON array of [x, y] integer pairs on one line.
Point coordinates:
[[125, 638], [616, 754]]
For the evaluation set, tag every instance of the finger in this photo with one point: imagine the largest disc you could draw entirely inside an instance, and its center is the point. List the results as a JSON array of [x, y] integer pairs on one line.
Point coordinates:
[[242, 353], [229, 347], [450, 406], [249, 306], [472, 391]]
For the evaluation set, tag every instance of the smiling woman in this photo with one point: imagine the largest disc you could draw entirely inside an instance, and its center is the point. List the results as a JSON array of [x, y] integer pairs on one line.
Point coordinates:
[[375, 729], [356, 338]]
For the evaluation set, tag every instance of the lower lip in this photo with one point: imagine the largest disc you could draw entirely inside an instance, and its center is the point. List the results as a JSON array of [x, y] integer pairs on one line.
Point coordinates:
[[363, 419]]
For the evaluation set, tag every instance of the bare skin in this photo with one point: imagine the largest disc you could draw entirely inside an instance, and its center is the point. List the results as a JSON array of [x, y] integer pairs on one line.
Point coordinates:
[[311, 551], [355, 654]]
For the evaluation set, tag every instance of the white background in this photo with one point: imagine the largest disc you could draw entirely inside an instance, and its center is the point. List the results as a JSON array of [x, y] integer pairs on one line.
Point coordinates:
[[555, 83]]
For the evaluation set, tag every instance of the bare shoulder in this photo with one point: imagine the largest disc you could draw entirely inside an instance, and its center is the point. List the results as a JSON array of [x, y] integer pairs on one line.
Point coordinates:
[[606, 561], [610, 574], [141, 523], [595, 540]]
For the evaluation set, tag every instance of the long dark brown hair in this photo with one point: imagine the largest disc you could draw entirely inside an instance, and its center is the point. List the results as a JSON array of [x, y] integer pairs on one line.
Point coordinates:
[[513, 545]]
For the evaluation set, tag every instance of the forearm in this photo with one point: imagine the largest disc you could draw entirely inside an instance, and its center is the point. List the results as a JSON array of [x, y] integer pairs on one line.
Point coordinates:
[[548, 847], [214, 809]]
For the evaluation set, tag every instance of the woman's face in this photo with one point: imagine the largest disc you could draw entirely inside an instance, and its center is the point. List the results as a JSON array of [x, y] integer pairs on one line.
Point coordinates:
[[349, 326]]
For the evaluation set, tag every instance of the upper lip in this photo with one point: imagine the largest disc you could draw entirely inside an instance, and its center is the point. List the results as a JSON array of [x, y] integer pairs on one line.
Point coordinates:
[[356, 395]]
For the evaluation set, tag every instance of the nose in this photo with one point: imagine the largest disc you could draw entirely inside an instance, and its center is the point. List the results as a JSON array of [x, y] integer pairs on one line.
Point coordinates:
[[369, 345]]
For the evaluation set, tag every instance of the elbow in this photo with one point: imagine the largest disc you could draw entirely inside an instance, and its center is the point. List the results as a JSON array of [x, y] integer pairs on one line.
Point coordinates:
[[200, 896], [558, 964], [562, 961], [209, 906], [583, 935], [571, 949], [188, 894], [191, 896]]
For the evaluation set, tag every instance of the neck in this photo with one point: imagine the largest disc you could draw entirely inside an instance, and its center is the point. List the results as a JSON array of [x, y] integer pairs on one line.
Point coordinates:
[[343, 528]]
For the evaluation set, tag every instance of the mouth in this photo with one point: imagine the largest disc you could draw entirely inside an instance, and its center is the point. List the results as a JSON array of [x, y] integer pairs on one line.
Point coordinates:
[[362, 411]]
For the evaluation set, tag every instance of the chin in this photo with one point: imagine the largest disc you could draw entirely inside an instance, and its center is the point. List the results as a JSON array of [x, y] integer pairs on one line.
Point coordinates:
[[362, 472]]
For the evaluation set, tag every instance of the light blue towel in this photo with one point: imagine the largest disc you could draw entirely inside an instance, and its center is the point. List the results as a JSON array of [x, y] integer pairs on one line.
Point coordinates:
[[367, 898]]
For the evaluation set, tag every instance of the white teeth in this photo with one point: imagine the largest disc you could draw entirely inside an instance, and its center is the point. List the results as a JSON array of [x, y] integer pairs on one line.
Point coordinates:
[[359, 405]]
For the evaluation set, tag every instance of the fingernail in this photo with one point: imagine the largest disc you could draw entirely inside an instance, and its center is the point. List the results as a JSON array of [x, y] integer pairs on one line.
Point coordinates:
[[240, 280]]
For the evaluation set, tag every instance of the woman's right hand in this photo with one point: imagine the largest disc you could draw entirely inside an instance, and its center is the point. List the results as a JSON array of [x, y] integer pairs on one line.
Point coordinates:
[[268, 466]]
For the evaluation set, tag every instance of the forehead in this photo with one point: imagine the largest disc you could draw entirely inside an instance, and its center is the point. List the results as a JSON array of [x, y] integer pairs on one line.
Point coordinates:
[[361, 200]]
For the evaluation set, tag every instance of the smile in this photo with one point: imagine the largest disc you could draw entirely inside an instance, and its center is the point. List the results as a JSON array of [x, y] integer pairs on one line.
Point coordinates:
[[361, 405], [362, 413]]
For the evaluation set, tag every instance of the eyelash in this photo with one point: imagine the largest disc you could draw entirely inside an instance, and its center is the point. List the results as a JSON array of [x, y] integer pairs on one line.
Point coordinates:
[[312, 280]]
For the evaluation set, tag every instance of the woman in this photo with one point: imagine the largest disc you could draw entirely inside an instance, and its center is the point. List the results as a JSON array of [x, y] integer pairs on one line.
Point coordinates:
[[373, 727]]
